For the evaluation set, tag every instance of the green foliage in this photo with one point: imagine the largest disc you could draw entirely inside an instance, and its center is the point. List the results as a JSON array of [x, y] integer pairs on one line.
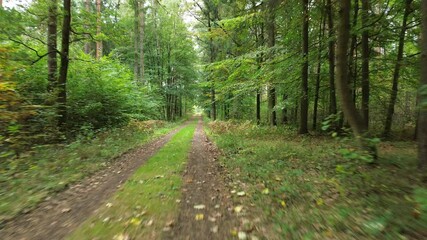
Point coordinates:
[[322, 196], [26, 181]]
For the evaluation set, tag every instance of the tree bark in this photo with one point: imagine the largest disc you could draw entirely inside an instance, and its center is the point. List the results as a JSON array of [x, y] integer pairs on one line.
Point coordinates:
[[422, 119], [62, 80], [303, 128], [319, 65], [136, 41], [365, 64], [52, 35], [396, 74], [212, 60], [352, 80], [98, 54], [87, 44], [141, 20], [271, 33], [349, 109], [284, 110], [331, 59]]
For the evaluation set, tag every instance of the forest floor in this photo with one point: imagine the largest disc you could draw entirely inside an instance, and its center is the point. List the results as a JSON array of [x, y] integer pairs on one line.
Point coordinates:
[[259, 183]]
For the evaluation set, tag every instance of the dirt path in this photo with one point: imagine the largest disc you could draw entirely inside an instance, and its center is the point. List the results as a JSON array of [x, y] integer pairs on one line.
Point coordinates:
[[60, 215], [204, 188]]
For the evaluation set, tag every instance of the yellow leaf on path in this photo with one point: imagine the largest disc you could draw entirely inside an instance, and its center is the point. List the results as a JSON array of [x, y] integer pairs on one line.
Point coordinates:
[[199, 217], [283, 203], [135, 221], [319, 202], [265, 191], [238, 209]]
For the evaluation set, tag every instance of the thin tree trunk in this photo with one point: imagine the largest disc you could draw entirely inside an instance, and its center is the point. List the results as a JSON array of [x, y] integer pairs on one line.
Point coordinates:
[[349, 109], [87, 44], [422, 120], [62, 80], [271, 32], [396, 74], [136, 41], [284, 110], [98, 54], [303, 128], [212, 60], [319, 65], [141, 20], [365, 64], [331, 59], [52, 35], [352, 80]]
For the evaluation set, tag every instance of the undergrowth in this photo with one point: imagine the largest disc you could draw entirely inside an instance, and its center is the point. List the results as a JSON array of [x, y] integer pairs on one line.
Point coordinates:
[[307, 189], [26, 181]]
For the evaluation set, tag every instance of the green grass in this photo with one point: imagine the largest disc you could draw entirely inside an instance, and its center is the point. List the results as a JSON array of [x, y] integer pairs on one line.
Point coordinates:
[[315, 193], [147, 201], [26, 181]]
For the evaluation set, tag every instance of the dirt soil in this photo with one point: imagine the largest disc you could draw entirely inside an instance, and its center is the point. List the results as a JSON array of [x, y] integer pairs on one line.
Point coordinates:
[[206, 207], [61, 214]]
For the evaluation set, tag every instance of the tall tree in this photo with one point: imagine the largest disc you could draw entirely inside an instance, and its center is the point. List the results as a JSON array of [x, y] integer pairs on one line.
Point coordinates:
[[63, 71], [303, 129], [141, 20], [98, 53], [322, 24], [331, 58], [398, 65], [365, 63], [422, 119], [52, 28], [271, 34], [87, 47], [349, 108]]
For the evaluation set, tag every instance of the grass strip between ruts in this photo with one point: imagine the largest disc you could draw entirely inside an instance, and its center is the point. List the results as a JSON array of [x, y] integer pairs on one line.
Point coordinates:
[[145, 204]]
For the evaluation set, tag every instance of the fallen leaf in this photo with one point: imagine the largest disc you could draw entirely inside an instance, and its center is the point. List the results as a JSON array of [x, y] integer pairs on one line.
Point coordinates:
[[106, 219], [167, 229], [242, 235], [211, 219], [217, 206], [319, 202], [265, 191], [149, 223], [109, 205], [65, 210], [135, 221], [121, 237], [241, 194], [199, 207], [214, 229], [238, 209], [283, 203], [199, 217], [233, 191]]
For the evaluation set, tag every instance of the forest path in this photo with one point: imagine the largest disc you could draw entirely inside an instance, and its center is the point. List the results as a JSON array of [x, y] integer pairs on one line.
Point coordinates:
[[59, 215], [205, 209]]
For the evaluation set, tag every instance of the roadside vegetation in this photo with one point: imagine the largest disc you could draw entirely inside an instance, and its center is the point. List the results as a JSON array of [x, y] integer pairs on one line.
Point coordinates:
[[26, 181], [316, 187], [148, 202]]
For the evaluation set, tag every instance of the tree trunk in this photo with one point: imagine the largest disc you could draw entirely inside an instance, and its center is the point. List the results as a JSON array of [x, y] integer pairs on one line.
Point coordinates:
[[284, 110], [62, 80], [331, 59], [271, 32], [52, 35], [349, 109], [212, 60], [141, 20], [303, 129], [136, 41], [319, 65], [365, 64], [396, 74], [352, 80], [87, 44], [422, 120], [98, 54]]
